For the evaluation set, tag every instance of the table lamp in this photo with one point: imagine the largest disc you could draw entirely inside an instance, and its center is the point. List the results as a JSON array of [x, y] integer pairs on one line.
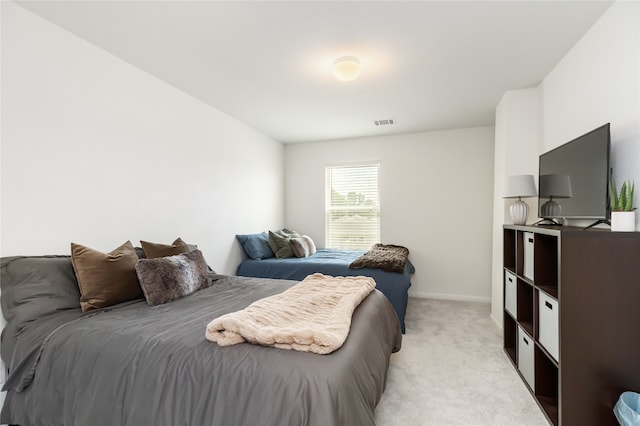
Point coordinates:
[[518, 187], [554, 186]]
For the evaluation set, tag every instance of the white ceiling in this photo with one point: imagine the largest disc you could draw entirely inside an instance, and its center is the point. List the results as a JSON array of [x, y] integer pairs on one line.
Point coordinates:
[[431, 65]]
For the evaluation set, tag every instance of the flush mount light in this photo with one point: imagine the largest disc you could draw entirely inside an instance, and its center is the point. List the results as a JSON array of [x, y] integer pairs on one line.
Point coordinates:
[[346, 68]]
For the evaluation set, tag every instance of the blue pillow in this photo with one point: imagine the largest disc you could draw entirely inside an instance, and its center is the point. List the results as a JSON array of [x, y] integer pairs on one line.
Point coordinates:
[[256, 245]]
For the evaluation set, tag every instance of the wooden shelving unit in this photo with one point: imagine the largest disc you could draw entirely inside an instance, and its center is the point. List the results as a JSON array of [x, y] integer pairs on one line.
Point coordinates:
[[579, 303]]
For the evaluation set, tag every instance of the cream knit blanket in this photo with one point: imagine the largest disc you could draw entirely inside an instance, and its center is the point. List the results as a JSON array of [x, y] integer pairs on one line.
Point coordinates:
[[312, 316]]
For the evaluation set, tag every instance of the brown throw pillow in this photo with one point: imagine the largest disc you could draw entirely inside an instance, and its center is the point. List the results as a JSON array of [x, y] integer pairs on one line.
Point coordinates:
[[169, 278], [155, 250], [105, 279]]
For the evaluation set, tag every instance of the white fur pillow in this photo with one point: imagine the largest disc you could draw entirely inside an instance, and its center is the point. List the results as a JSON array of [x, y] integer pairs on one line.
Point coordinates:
[[302, 246]]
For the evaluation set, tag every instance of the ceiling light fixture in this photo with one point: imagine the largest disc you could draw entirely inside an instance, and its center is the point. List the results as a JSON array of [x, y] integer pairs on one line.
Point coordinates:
[[346, 68]]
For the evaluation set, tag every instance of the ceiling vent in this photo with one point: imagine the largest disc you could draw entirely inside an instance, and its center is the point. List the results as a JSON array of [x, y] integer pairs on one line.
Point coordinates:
[[386, 122]]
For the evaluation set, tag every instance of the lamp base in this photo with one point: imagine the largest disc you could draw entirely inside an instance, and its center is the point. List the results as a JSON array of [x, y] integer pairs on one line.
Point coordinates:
[[519, 212], [551, 209]]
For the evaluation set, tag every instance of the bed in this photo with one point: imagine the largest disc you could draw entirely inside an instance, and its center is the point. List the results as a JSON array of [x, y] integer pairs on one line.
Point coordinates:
[[334, 262], [135, 364]]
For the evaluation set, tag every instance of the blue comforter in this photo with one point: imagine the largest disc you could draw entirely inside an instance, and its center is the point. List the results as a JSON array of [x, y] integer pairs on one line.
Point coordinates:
[[336, 263]]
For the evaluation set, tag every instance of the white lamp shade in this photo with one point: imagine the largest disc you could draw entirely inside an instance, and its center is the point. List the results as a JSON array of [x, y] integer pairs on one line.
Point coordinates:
[[556, 186], [521, 186]]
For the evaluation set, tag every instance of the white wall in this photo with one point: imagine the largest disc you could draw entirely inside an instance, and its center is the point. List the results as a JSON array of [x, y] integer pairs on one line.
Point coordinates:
[[598, 81], [98, 152], [517, 146], [436, 191]]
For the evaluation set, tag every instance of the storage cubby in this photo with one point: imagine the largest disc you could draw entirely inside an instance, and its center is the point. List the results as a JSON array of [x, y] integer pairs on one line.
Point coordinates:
[[510, 335], [570, 320], [546, 263], [519, 254], [546, 390], [509, 252], [525, 305]]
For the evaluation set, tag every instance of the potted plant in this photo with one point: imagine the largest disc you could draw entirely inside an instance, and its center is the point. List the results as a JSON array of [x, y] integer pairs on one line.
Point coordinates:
[[623, 216]]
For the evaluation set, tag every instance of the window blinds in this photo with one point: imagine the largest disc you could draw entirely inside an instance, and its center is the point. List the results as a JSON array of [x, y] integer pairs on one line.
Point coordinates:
[[352, 206]]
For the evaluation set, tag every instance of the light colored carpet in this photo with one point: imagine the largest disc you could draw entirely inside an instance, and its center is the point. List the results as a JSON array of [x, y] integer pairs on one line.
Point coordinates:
[[452, 370]]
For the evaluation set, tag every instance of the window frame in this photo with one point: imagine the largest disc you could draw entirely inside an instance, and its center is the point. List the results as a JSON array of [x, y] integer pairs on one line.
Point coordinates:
[[330, 232]]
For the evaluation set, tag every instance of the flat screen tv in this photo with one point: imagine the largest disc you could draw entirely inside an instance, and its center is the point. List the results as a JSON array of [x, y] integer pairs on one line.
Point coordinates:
[[574, 178]]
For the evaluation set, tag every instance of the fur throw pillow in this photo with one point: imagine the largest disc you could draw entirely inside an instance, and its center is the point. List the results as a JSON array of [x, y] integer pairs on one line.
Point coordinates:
[[303, 246], [165, 279]]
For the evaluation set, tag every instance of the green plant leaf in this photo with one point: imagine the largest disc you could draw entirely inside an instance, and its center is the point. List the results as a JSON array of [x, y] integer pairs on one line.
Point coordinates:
[[627, 204], [623, 196], [613, 196], [622, 201]]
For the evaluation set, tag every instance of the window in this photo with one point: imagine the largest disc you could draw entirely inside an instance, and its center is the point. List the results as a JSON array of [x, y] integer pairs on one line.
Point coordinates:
[[352, 211]]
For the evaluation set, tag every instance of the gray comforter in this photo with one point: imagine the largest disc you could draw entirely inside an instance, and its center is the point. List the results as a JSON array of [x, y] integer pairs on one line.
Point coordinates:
[[138, 365]]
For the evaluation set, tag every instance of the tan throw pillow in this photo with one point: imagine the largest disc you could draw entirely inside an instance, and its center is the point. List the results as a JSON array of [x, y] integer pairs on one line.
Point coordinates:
[[155, 250], [169, 278], [303, 246], [105, 279]]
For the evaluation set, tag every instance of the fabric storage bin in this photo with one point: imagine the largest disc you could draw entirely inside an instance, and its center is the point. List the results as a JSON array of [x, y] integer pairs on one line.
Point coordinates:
[[548, 324], [525, 357], [510, 294], [627, 409], [528, 255]]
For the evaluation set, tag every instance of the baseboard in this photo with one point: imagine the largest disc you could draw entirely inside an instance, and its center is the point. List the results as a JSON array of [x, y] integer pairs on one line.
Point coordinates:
[[495, 321], [452, 297]]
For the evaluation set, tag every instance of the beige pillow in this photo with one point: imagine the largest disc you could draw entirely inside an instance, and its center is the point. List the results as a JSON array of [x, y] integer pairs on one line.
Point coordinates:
[[105, 279], [303, 246], [155, 250]]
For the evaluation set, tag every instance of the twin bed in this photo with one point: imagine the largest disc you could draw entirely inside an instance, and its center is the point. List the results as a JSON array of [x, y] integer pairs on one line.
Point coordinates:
[[135, 364], [335, 262]]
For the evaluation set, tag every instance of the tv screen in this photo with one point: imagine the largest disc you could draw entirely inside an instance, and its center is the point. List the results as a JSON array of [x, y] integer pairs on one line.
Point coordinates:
[[574, 178]]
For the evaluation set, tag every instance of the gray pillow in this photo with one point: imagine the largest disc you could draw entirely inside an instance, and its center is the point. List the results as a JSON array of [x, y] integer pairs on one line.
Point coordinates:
[[33, 287], [165, 279]]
